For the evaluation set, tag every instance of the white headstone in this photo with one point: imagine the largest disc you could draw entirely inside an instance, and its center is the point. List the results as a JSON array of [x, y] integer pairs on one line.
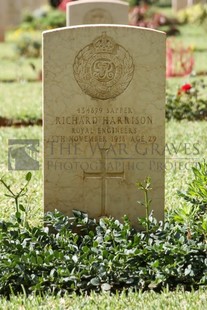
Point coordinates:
[[104, 119], [97, 12]]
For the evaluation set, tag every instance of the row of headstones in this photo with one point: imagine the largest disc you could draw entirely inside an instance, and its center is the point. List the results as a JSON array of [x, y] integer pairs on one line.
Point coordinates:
[[80, 12], [99, 11], [104, 115]]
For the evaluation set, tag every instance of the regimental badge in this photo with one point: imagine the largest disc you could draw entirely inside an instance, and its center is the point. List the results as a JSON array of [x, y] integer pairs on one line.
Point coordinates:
[[103, 69], [98, 16]]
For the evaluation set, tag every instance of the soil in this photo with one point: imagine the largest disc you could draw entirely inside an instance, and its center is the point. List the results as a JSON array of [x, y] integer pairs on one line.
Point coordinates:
[[8, 122]]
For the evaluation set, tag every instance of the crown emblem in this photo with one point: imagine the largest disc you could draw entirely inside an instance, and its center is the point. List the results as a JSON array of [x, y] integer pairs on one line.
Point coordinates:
[[103, 69], [104, 44]]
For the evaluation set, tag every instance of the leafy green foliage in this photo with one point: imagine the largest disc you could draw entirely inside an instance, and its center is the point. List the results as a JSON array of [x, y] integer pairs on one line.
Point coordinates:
[[194, 14], [145, 187], [196, 195], [197, 190], [28, 46], [78, 254], [190, 105], [17, 196], [103, 256], [48, 19], [195, 300], [27, 42]]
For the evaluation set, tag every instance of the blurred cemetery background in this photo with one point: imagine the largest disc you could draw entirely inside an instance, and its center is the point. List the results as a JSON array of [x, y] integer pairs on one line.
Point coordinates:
[[22, 22]]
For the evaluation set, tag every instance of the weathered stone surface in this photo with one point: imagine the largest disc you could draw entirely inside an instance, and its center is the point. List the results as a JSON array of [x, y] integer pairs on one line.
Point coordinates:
[[104, 98], [97, 12]]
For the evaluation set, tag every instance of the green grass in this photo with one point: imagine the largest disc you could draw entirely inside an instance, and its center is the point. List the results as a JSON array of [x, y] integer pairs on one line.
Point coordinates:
[[7, 51], [194, 36], [21, 100], [184, 136], [19, 69], [15, 67], [34, 198], [147, 301], [191, 35], [176, 82]]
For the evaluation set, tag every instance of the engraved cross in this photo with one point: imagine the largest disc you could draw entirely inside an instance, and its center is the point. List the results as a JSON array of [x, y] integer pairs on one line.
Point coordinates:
[[104, 175]]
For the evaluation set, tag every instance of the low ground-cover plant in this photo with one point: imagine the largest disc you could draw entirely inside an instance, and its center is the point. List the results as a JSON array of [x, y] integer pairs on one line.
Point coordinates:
[[189, 102], [78, 254], [197, 190]]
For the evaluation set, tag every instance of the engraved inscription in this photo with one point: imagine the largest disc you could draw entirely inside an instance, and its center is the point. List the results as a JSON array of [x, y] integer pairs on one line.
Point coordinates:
[[103, 175], [107, 125], [103, 69], [98, 16]]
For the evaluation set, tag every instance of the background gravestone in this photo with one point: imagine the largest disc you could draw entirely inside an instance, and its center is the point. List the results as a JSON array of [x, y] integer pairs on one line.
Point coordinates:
[[11, 11], [2, 20], [32, 5], [192, 2], [97, 12], [183, 4], [104, 119], [179, 4]]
